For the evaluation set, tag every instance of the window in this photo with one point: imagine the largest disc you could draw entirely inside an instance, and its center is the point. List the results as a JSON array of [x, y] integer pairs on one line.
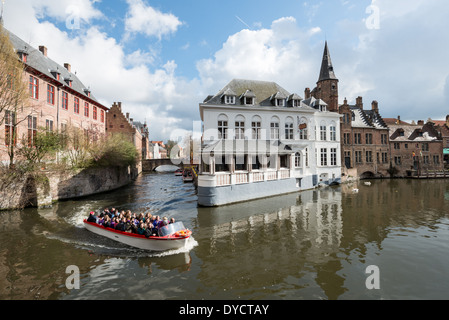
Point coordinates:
[[357, 138], [289, 129], [296, 103], [358, 157], [10, 128], [255, 127], [65, 100], [102, 116], [383, 138], [384, 157], [240, 162], [50, 94], [49, 126], [76, 105], [323, 156], [425, 147], [94, 113], [86, 109], [397, 161], [333, 156], [274, 130], [240, 130], [229, 100], [303, 134], [436, 159], [307, 157], [426, 159], [346, 138], [369, 156], [280, 102], [396, 146], [297, 160], [369, 138], [222, 129], [34, 87], [333, 132], [32, 130], [323, 132]]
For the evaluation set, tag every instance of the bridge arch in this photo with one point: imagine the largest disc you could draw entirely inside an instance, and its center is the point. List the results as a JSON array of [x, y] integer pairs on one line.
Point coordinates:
[[151, 164]]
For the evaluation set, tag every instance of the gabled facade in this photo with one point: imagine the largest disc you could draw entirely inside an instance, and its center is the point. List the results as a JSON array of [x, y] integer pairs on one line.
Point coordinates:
[[58, 100], [416, 149], [260, 140]]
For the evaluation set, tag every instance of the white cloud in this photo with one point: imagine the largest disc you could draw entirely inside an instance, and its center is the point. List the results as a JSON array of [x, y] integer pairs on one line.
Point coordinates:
[[149, 21]]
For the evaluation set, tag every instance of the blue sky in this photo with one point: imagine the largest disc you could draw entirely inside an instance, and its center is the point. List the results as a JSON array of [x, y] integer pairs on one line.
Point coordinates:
[[162, 58]]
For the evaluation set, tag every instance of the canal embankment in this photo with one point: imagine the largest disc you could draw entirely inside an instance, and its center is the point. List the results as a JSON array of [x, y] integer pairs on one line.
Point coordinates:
[[43, 188]]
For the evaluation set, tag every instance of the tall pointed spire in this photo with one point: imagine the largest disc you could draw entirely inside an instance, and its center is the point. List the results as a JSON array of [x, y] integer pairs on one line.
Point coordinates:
[[327, 70]]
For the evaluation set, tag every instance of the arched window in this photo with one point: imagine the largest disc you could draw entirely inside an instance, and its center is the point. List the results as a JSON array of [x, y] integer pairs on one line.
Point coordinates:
[[222, 126], [297, 160], [256, 123], [274, 128], [289, 128], [239, 127], [303, 133]]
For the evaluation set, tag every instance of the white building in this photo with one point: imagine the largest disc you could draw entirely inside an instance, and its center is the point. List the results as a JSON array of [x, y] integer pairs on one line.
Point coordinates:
[[259, 140]]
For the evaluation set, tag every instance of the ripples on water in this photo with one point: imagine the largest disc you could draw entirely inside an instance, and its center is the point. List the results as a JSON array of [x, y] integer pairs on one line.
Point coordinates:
[[311, 245]]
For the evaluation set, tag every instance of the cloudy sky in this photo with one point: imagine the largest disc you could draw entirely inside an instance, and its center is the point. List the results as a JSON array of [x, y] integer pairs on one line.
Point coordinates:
[[161, 58]]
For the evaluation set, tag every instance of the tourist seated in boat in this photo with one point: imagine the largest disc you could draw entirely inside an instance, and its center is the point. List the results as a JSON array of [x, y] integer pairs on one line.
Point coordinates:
[[92, 217]]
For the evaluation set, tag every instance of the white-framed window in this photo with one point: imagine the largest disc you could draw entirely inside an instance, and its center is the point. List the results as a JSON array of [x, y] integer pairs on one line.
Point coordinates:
[[222, 129], [333, 156], [296, 103], [239, 128], [229, 99], [249, 101], [289, 129], [323, 156], [274, 128], [303, 133], [256, 128], [280, 102], [333, 132], [297, 160], [323, 130]]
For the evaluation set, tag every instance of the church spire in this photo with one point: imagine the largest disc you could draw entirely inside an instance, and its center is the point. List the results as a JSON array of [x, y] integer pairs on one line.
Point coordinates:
[[327, 70]]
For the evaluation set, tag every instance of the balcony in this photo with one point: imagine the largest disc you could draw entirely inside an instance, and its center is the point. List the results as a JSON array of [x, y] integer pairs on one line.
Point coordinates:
[[241, 177]]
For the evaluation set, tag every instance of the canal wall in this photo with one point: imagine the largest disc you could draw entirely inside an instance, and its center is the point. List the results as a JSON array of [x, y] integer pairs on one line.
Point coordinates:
[[41, 189]]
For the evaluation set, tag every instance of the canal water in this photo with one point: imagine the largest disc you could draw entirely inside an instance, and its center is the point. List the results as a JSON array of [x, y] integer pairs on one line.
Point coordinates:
[[317, 244]]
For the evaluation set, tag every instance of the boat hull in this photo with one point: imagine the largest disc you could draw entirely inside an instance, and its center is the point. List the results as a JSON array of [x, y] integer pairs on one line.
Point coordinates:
[[138, 241]]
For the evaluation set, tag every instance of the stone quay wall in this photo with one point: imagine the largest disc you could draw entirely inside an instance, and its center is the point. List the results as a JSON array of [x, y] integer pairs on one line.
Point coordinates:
[[41, 189]]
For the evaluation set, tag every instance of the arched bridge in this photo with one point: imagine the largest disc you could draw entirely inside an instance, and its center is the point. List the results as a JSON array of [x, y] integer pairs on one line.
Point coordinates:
[[152, 164]]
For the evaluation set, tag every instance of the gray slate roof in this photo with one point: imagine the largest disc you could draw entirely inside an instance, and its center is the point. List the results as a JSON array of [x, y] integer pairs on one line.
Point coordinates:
[[48, 67], [263, 91], [327, 69]]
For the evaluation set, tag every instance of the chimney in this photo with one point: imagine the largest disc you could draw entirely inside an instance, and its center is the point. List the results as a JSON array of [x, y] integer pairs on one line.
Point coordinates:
[[127, 115], [120, 106], [359, 102], [307, 93], [399, 120], [375, 106], [68, 67], [447, 121], [43, 49]]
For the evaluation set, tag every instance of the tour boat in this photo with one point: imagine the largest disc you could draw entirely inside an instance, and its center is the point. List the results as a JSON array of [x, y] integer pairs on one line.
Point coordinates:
[[179, 172], [172, 236], [187, 176]]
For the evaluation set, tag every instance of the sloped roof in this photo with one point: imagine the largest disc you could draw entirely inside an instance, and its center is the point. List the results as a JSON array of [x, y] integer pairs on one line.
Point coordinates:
[[327, 69], [48, 67]]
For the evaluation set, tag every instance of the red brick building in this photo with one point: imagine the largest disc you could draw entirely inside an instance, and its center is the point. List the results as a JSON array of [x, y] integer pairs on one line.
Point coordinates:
[[58, 100], [415, 149], [364, 134]]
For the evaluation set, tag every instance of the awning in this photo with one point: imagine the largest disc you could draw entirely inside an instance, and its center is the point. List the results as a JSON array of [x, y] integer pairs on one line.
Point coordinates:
[[446, 151]]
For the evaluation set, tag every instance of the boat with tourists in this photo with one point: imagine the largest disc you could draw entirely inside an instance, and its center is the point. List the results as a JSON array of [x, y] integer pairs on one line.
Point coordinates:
[[187, 176], [170, 237], [179, 172]]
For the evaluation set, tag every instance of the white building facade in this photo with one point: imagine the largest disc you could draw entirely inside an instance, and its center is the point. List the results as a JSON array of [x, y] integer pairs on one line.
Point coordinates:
[[259, 141]]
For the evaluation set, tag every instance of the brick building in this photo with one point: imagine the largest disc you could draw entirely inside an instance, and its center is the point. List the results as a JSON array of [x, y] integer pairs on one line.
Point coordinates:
[[364, 134], [137, 133], [443, 128], [58, 100], [415, 149]]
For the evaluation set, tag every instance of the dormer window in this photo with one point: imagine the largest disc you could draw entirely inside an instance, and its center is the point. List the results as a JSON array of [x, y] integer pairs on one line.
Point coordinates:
[[87, 92], [229, 99], [229, 96], [280, 102], [296, 103], [23, 55], [248, 98]]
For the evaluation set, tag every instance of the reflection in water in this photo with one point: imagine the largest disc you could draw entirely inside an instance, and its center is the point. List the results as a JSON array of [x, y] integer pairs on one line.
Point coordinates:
[[311, 245]]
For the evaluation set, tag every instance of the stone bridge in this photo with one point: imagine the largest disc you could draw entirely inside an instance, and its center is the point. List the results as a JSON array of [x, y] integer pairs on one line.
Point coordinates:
[[151, 164]]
